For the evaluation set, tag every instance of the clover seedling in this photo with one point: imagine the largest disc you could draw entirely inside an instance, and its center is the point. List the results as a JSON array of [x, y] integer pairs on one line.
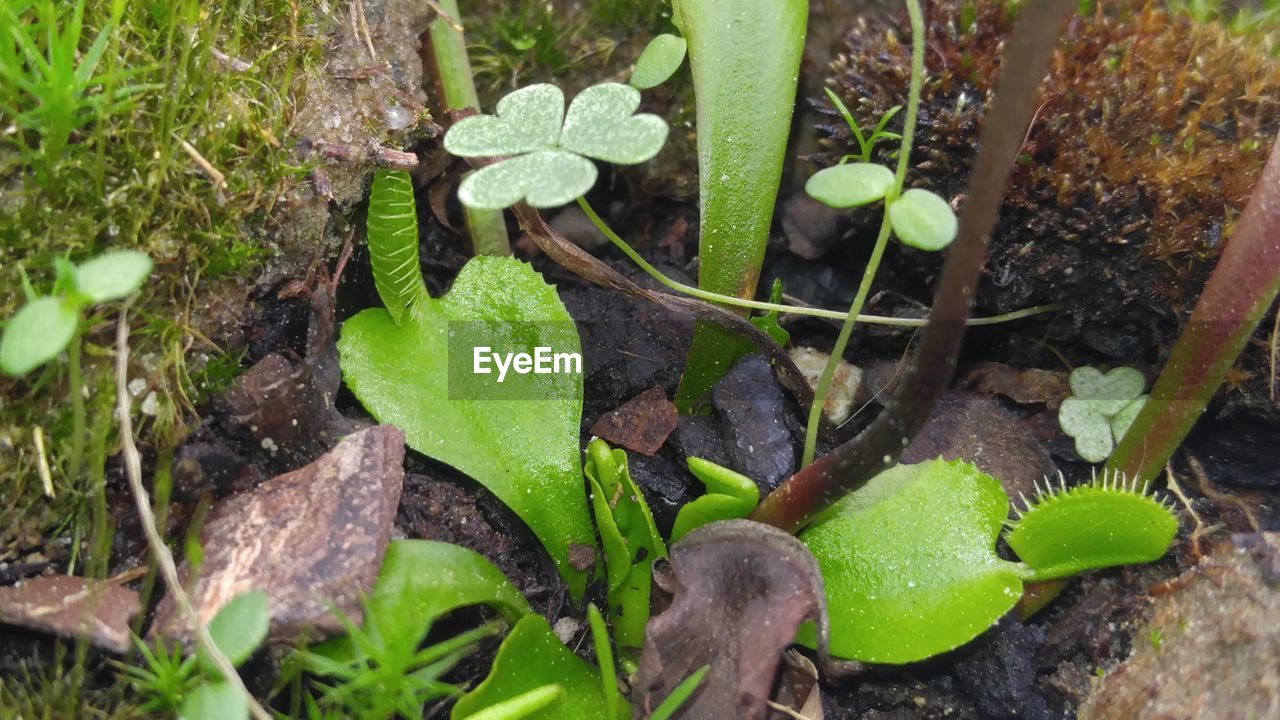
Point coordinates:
[[910, 564], [1101, 409], [549, 150]]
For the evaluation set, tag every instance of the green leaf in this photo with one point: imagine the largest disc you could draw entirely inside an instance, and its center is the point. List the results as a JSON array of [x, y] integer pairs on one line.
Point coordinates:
[[671, 703], [768, 322], [729, 495], [923, 220], [524, 450], [214, 700], [238, 629], [1121, 421], [909, 562], [544, 179], [630, 538], [600, 124], [422, 580], [112, 275], [528, 119], [532, 657], [1080, 419], [659, 61], [1107, 394], [36, 334], [523, 705], [850, 185], [392, 228], [1096, 525]]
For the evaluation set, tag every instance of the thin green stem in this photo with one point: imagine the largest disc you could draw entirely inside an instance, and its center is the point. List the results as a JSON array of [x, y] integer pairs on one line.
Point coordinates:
[[709, 296], [842, 340], [882, 241], [75, 378]]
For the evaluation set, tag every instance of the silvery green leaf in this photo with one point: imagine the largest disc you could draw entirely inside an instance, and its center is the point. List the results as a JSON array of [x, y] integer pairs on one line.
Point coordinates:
[[112, 275], [923, 220], [659, 61], [1080, 419], [527, 120], [1121, 421], [547, 178], [1109, 393], [600, 124], [850, 185]]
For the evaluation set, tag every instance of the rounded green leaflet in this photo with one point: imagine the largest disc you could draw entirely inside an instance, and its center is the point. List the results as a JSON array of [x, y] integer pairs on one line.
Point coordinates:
[[544, 179], [1080, 419], [923, 220], [850, 185], [36, 334], [600, 124], [1096, 525], [214, 700], [1121, 421], [659, 61], [112, 275], [528, 119], [909, 562], [239, 628]]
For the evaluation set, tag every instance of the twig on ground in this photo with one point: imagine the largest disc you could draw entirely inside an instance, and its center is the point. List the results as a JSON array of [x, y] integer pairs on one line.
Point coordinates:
[[1207, 488], [357, 13], [164, 559], [214, 174], [42, 462]]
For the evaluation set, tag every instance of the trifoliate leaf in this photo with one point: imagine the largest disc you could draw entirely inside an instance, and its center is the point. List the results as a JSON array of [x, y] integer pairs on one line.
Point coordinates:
[[600, 124], [36, 334], [923, 220], [112, 275], [528, 119], [659, 61], [238, 628], [550, 148], [909, 562], [850, 185], [1097, 525], [544, 179]]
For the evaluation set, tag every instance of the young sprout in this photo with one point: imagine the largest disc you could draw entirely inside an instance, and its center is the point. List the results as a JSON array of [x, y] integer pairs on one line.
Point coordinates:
[[659, 61]]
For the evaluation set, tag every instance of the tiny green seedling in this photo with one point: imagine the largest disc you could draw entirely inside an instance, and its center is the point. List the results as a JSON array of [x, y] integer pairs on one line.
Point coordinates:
[[866, 144], [659, 61], [1101, 409], [547, 152], [730, 495], [46, 325]]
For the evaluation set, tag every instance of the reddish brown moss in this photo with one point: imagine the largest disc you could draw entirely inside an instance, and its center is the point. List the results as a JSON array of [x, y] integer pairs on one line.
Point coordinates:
[[1152, 133]]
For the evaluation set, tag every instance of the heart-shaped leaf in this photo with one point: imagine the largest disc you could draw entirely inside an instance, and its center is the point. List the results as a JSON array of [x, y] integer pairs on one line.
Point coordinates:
[[1096, 525], [528, 119], [923, 220], [547, 178], [1109, 393], [532, 657], [112, 275], [522, 446], [659, 61], [850, 185], [36, 334], [600, 124], [1080, 419], [909, 562]]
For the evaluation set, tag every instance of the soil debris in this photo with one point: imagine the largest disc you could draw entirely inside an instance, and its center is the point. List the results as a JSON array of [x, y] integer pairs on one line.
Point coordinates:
[[1211, 648], [1025, 386], [308, 538], [73, 607], [753, 411], [642, 423]]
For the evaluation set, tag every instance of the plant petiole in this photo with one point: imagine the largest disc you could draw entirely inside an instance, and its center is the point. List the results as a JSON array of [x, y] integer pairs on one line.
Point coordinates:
[[788, 309]]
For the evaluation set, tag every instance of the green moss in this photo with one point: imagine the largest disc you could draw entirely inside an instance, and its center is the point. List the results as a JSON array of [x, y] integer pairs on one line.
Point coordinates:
[[216, 76], [64, 688]]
